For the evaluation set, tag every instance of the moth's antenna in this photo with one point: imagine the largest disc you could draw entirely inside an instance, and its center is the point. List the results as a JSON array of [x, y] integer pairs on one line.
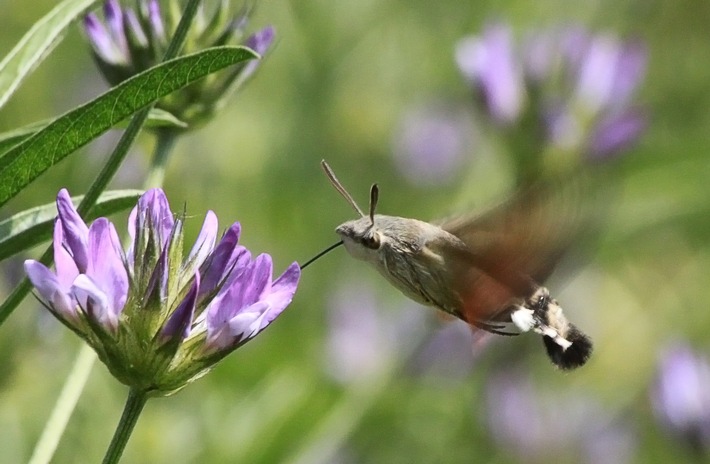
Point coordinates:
[[339, 187], [330, 248], [374, 195]]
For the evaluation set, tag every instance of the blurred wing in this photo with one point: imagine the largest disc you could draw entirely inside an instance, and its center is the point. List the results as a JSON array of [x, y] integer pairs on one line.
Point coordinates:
[[513, 248], [524, 238]]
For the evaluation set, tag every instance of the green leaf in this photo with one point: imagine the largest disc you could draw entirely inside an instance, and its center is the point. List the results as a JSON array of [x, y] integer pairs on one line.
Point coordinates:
[[34, 226], [156, 118], [11, 138], [31, 157], [36, 45]]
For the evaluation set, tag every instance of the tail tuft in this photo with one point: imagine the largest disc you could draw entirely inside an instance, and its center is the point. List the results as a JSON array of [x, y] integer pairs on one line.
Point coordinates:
[[574, 356]]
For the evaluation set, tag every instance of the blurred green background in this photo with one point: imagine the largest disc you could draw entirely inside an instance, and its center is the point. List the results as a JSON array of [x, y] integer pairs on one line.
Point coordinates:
[[338, 85]]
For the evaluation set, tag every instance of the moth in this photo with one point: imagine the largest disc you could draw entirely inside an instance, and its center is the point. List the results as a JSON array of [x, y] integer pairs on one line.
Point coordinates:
[[486, 270]]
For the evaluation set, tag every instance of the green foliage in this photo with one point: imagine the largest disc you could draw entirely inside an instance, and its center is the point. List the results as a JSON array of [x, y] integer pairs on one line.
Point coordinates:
[[36, 45], [157, 118], [26, 161]]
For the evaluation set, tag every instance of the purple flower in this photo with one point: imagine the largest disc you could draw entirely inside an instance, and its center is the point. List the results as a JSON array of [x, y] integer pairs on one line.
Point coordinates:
[[571, 86], [490, 64], [609, 72], [157, 319], [431, 145], [681, 395], [449, 354], [131, 41], [364, 338], [260, 42], [109, 49], [550, 427], [615, 133]]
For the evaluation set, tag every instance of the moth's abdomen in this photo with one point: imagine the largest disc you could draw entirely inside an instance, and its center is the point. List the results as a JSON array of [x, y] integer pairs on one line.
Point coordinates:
[[575, 355]]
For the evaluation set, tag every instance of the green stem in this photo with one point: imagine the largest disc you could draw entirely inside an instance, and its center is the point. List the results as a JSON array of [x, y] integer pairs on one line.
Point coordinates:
[[165, 141], [47, 444], [131, 412], [109, 170]]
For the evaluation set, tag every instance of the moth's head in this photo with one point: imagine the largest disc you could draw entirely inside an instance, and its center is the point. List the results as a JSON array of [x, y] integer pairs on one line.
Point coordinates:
[[361, 238]]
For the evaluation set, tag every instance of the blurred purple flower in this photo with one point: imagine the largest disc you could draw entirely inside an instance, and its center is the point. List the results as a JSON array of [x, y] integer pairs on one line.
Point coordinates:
[[448, 354], [615, 133], [131, 41], [110, 48], [681, 395], [260, 42], [364, 336], [573, 86], [553, 427], [490, 64], [431, 144], [609, 73], [155, 319]]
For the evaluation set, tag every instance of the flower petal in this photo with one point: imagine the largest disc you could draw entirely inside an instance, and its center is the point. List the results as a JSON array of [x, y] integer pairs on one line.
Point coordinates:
[[50, 289], [269, 307], [230, 323], [489, 63], [95, 303], [106, 268], [615, 133], [229, 333], [152, 216], [281, 294], [247, 287], [629, 72], [227, 260], [205, 241], [156, 21], [597, 74], [247, 324], [260, 42], [63, 260], [239, 294], [114, 20], [179, 322], [152, 212], [102, 42], [134, 29], [76, 233]]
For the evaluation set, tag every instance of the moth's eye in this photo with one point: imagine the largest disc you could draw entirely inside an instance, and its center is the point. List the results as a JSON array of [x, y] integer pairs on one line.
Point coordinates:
[[371, 241]]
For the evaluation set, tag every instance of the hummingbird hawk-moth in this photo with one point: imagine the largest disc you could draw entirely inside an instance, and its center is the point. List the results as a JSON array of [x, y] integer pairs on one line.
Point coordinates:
[[484, 269]]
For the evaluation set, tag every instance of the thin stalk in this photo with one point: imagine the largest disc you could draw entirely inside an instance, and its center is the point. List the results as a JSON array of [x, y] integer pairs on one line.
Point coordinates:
[[165, 141], [47, 444], [131, 412]]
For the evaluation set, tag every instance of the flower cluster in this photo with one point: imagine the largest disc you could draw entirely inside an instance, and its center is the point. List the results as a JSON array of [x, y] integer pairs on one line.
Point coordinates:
[[132, 40], [570, 86], [156, 319]]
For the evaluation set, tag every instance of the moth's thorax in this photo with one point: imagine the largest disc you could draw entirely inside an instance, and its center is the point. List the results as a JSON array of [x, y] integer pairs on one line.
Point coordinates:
[[395, 235], [400, 252]]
